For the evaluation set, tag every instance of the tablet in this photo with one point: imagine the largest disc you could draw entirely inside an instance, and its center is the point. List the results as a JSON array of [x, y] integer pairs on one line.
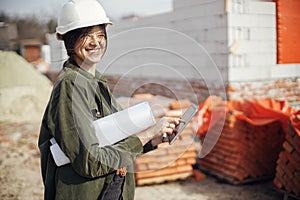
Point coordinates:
[[186, 118]]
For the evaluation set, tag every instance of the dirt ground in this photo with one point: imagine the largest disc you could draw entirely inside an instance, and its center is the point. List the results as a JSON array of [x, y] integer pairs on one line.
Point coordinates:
[[209, 189], [20, 176]]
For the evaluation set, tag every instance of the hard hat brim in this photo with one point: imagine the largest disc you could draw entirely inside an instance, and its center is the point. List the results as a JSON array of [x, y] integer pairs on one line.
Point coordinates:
[[64, 29], [60, 31]]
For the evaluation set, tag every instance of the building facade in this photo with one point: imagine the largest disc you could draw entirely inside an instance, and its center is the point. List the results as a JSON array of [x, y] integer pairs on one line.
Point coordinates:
[[236, 49]]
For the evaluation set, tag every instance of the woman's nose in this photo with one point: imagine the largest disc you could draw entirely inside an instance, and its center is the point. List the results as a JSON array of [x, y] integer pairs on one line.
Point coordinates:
[[93, 40]]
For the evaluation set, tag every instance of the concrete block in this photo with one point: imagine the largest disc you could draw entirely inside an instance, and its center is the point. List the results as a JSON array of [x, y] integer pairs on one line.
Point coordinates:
[[156, 20], [215, 46], [220, 59], [252, 59], [213, 34], [168, 19], [251, 7], [236, 6], [180, 24], [260, 59], [261, 72], [252, 39], [157, 63], [200, 9], [262, 33], [285, 71], [208, 22], [268, 8], [238, 33], [236, 61], [178, 4], [255, 46], [248, 20]]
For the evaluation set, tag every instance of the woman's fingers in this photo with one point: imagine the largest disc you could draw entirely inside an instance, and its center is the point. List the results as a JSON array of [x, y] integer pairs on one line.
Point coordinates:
[[172, 120], [172, 125], [168, 130]]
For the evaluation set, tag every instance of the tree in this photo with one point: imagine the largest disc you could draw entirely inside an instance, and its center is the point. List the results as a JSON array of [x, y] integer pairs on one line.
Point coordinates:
[[30, 28], [3, 17], [51, 25]]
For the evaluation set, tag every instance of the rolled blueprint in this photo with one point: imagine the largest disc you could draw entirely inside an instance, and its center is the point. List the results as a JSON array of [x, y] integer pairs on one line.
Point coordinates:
[[113, 128], [120, 125]]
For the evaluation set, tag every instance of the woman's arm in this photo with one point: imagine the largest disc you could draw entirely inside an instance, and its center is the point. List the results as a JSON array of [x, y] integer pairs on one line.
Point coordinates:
[[76, 136]]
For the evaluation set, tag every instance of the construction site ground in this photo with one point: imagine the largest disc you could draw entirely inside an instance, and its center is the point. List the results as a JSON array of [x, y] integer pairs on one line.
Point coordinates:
[[20, 176]]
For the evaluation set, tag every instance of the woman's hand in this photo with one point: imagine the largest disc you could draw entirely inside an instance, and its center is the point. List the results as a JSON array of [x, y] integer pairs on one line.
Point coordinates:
[[165, 125]]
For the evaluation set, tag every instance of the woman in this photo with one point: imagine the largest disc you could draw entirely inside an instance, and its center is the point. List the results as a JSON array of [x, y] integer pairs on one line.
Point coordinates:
[[80, 95]]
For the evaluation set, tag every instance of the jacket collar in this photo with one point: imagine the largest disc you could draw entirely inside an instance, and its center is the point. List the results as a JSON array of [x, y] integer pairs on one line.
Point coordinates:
[[74, 66]]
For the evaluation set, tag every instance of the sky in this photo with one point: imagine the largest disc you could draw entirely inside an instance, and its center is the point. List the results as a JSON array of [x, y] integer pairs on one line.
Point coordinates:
[[115, 8]]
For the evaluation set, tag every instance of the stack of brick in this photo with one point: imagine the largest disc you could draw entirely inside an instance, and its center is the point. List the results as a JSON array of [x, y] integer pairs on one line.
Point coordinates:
[[244, 152], [168, 162], [242, 141], [288, 165]]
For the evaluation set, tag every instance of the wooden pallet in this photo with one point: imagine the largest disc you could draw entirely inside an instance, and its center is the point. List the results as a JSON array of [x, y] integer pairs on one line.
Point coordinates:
[[229, 179]]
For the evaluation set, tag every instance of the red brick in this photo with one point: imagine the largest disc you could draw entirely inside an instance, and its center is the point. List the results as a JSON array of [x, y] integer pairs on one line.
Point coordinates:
[[288, 147], [277, 183]]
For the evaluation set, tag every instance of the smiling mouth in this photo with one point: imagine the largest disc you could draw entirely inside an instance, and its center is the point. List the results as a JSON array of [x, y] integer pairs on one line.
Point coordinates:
[[92, 51]]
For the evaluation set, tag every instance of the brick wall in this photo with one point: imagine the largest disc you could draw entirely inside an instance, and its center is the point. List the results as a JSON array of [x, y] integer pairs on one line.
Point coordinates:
[[196, 91], [288, 89]]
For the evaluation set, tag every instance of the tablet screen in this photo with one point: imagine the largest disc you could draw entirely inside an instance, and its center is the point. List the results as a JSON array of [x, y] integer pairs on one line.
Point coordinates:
[[186, 118]]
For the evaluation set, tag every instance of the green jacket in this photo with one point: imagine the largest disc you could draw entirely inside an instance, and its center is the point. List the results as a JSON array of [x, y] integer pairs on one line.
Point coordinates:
[[76, 101]]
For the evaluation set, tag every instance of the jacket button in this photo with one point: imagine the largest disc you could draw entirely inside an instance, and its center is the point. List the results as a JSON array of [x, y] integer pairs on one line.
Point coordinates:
[[98, 115]]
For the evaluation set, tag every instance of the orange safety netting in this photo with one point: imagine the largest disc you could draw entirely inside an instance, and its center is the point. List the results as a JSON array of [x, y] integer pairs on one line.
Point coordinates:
[[257, 112]]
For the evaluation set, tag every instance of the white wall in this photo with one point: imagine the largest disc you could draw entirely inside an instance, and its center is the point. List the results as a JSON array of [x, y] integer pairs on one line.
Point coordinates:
[[217, 41], [252, 39], [189, 43], [252, 36]]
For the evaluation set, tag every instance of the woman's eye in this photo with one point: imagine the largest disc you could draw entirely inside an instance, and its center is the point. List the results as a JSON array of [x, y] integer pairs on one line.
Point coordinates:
[[101, 36], [88, 36]]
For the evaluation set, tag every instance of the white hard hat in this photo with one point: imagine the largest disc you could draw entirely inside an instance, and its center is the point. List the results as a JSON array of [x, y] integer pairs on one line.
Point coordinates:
[[80, 13]]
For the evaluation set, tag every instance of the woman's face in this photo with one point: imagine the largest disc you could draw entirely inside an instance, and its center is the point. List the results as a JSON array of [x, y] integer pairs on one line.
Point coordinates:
[[90, 48]]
